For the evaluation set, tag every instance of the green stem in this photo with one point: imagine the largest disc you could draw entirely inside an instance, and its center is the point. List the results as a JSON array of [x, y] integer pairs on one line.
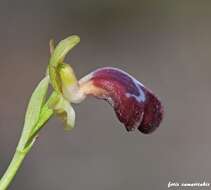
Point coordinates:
[[12, 169], [20, 154]]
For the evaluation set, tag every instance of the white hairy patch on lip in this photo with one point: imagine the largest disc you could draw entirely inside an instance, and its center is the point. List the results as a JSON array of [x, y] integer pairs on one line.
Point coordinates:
[[74, 94]]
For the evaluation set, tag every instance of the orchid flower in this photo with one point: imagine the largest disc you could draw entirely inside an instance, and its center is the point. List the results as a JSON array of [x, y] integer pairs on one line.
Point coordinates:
[[134, 104]]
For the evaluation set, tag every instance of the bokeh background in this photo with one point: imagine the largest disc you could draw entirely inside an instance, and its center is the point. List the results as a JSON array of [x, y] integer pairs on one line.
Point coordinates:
[[164, 44]]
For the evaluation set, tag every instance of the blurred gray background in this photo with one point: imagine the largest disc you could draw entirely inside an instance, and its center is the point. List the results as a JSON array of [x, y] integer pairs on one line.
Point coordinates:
[[164, 44]]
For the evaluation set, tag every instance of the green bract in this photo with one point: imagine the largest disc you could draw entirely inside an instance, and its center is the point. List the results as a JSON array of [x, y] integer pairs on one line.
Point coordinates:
[[33, 112]]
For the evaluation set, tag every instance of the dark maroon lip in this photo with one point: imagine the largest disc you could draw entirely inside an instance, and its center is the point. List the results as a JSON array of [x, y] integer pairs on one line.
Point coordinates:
[[134, 104]]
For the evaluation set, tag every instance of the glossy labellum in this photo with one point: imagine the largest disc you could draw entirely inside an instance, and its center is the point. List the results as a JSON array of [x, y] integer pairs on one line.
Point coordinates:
[[134, 104]]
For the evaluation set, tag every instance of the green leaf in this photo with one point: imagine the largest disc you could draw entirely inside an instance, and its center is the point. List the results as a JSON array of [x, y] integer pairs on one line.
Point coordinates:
[[57, 57], [33, 111]]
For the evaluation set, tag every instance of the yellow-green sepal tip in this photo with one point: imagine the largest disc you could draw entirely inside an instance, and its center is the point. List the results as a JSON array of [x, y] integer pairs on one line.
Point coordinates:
[[57, 58]]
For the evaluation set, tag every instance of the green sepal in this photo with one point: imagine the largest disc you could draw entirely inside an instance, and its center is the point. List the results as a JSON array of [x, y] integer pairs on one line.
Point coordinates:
[[57, 57], [65, 111]]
